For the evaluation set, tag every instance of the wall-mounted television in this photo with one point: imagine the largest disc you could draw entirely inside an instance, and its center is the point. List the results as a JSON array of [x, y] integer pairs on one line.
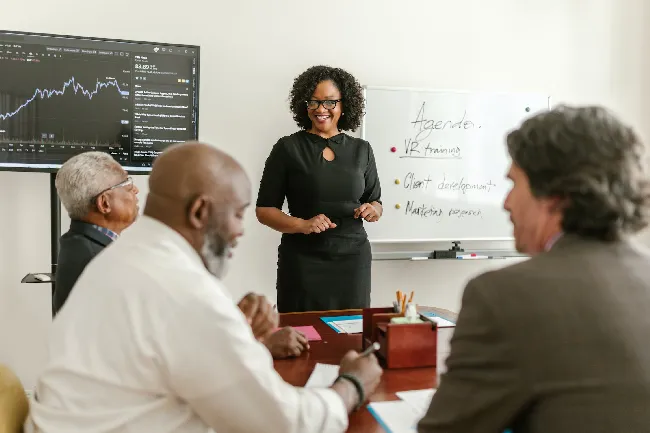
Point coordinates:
[[64, 95]]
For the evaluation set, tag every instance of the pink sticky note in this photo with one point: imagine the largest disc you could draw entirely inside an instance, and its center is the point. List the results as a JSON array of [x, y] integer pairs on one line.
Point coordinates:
[[310, 332]]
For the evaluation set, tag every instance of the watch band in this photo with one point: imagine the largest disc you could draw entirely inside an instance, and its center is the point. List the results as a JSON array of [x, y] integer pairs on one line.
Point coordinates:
[[359, 387]]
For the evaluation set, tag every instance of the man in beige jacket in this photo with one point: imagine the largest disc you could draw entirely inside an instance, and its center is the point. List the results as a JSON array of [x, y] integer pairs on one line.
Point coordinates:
[[559, 343]]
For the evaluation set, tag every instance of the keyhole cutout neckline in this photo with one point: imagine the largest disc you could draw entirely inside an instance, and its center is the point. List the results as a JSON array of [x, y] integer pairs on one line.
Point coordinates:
[[328, 154]]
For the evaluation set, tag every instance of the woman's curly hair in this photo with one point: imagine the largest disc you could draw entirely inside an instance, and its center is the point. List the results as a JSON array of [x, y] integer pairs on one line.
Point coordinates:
[[351, 96], [593, 162]]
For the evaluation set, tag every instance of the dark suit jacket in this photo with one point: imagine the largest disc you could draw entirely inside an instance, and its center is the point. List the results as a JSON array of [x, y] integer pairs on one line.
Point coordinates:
[[77, 248], [559, 343]]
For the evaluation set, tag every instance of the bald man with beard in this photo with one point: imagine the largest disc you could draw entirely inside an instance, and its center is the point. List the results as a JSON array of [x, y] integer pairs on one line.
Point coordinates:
[[163, 346], [174, 180]]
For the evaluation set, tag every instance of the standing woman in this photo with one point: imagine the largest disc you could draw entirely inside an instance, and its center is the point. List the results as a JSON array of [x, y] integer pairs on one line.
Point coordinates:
[[331, 185]]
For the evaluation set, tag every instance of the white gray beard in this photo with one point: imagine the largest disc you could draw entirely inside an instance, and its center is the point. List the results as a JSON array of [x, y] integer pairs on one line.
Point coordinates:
[[217, 264]]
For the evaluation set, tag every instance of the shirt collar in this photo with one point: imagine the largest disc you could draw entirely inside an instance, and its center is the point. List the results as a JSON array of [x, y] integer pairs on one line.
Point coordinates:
[[108, 232], [153, 232], [338, 138], [552, 241]]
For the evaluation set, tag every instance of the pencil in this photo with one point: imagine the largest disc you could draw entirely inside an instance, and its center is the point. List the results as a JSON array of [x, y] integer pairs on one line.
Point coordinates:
[[411, 298]]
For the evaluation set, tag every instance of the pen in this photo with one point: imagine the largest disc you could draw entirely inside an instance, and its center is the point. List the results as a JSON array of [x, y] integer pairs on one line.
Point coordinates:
[[372, 348]]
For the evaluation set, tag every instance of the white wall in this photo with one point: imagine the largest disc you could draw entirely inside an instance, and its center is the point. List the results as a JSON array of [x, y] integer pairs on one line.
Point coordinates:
[[578, 51]]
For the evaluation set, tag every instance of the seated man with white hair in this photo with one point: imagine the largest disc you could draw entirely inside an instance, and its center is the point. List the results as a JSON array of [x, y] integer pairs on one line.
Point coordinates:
[[101, 200]]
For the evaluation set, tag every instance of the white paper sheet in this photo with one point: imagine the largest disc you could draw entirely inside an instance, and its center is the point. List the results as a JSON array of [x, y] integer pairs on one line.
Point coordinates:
[[420, 399], [442, 323], [354, 326], [323, 376], [396, 416]]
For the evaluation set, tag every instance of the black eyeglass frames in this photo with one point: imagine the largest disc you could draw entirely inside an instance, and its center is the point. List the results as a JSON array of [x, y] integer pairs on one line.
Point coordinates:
[[328, 104]]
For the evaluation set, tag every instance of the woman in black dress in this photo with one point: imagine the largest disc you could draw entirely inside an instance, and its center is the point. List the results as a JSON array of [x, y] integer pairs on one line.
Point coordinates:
[[331, 185]]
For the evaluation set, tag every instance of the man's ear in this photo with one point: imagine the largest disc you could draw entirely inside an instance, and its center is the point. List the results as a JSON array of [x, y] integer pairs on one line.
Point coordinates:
[[556, 204], [103, 204], [199, 212]]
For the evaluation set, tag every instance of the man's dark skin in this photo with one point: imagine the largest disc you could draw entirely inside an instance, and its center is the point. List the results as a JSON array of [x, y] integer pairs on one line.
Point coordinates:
[[284, 343], [202, 193]]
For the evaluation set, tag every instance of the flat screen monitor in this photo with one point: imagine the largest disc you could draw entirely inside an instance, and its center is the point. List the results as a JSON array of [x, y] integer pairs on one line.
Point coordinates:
[[64, 95]]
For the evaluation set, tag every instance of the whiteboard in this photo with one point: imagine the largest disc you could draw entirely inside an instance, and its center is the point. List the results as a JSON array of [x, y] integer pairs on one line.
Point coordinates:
[[442, 161]]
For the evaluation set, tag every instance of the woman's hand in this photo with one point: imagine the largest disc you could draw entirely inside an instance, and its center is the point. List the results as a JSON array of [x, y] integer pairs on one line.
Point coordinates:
[[317, 224], [368, 212]]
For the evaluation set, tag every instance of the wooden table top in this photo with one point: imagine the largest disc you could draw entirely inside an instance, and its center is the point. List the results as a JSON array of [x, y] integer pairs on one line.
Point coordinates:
[[331, 349]]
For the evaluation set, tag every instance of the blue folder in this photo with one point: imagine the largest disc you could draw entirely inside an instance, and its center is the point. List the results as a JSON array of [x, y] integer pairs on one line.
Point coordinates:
[[328, 320]]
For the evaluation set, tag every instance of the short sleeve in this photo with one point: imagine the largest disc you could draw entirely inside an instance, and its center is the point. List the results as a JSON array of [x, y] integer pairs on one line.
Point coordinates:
[[372, 191], [273, 184]]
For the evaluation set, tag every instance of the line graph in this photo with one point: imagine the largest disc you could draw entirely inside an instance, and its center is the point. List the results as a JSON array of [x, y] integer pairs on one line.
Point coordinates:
[[71, 83], [51, 100]]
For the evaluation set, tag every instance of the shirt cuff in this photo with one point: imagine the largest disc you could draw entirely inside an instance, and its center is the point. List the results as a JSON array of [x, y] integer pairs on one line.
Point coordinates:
[[338, 420]]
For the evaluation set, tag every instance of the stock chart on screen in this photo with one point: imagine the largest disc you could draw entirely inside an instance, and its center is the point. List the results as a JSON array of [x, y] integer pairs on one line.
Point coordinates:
[[63, 95]]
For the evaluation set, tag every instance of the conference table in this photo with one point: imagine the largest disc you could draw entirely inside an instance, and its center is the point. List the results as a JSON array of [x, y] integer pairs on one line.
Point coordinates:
[[331, 349]]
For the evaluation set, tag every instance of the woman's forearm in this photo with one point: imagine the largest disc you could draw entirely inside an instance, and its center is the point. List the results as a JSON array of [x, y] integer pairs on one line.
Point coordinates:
[[278, 220]]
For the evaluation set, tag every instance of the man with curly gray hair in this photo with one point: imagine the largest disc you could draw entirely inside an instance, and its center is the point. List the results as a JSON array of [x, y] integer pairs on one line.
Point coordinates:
[[559, 343], [101, 200]]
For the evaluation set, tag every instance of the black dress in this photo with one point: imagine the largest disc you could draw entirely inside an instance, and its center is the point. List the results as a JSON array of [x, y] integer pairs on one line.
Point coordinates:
[[329, 270]]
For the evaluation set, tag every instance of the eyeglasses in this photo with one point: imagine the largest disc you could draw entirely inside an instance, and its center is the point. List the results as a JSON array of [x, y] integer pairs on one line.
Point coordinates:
[[328, 104], [127, 182]]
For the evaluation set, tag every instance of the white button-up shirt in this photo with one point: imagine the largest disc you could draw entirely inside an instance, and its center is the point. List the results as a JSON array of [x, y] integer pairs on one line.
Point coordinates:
[[149, 341]]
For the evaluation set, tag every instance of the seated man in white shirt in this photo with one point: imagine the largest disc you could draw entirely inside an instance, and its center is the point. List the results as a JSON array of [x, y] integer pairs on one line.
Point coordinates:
[[163, 347]]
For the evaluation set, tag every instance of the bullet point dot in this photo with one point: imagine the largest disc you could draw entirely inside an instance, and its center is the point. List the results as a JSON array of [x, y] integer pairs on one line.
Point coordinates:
[[397, 206], [397, 181], [393, 149]]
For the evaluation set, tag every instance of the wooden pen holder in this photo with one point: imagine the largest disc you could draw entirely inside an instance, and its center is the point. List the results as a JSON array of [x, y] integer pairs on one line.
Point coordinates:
[[407, 345]]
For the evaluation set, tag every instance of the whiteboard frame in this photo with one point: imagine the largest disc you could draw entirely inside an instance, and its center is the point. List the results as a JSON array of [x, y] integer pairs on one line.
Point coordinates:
[[365, 89]]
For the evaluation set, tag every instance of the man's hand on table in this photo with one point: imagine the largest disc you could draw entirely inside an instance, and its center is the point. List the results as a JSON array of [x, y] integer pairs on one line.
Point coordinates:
[[263, 319], [261, 316], [286, 342]]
